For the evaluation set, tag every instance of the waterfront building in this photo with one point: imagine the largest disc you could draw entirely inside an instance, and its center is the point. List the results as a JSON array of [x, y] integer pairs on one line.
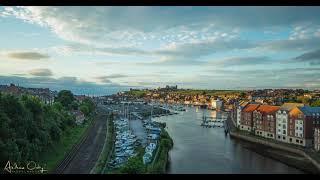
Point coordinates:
[[264, 121], [217, 104], [246, 122], [239, 109], [303, 121], [282, 121], [317, 139]]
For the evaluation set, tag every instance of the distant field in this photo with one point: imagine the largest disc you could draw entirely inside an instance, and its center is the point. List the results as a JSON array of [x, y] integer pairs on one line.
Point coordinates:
[[137, 93]]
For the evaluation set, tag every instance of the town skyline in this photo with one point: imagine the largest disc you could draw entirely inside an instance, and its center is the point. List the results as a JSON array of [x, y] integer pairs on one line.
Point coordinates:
[[149, 47]]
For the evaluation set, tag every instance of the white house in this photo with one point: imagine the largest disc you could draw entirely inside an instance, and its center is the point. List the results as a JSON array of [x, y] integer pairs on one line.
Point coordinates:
[[217, 104], [239, 109], [317, 139], [282, 122]]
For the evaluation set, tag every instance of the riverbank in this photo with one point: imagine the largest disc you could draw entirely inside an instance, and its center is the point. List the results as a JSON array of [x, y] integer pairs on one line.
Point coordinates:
[[160, 161], [286, 154], [157, 166]]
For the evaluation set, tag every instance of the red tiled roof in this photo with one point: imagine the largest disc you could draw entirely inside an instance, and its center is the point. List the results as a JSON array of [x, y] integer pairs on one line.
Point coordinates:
[[268, 109], [250, 107]]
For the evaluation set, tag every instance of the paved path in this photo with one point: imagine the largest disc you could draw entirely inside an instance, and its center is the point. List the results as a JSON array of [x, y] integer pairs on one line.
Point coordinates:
[[86, 157]]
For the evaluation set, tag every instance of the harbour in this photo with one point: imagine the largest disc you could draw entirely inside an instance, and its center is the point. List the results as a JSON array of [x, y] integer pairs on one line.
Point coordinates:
[[211, 150]]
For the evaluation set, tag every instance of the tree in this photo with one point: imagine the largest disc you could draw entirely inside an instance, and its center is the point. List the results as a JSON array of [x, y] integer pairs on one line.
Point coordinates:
[[316, 103], [74, 105], [28, 127], [65, 97], [304, 100], [242, 95], [85, 109], [133, 166]]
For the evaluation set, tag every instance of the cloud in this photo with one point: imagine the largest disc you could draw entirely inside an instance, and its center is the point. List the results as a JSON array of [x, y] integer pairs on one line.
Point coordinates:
[[313, 57], [103, 79], [74, 84], [106, 79], [240, 61], [290, 44], [135, 25], [27, 55], [114, 76], [40, 72]]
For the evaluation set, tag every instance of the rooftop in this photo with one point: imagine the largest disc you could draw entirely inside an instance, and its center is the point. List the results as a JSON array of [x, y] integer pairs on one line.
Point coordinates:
[[307, 110], [268, 109], [250, 107], [289, 106]]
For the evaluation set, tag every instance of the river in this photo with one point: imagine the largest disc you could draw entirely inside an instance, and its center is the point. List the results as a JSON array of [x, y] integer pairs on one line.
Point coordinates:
[[200, 150]]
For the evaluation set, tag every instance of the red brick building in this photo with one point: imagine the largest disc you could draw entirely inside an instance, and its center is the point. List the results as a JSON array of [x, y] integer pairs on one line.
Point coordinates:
[[302, 124], [264, 121], [246, 121]]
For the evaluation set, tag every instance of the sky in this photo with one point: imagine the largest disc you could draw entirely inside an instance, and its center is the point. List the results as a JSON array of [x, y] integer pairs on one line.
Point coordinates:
[[98, 50]]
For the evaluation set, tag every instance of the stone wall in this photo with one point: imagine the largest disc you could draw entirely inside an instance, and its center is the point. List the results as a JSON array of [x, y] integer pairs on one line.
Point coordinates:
[[276, 146]]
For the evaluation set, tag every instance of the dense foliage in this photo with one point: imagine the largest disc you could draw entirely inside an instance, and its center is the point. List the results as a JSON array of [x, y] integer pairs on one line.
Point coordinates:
[[161, 160], [29, 127], [316, 103], [66, 98], [87, 106]]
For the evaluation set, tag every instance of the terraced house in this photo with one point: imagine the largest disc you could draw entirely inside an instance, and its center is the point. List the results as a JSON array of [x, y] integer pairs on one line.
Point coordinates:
[[247, 117], [264, 121], [317, 139], [239, 109], [302, 124], [282, 121]]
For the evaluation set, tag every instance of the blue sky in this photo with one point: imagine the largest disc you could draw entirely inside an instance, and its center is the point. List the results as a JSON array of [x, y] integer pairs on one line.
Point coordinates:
[[95, 49]]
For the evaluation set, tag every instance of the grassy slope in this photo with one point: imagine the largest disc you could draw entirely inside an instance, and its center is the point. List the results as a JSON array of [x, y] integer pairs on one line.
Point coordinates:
[[55, 155]]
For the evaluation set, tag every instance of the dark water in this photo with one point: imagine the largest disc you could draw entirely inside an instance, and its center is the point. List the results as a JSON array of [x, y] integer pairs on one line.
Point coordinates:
[[208, 150]]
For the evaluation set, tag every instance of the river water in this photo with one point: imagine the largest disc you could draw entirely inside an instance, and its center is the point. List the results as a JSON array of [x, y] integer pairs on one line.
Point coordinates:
[[200, 150]]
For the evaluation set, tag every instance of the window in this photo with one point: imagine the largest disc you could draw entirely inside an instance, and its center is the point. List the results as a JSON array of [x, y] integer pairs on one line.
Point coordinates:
[[300, 128], [284, 132], [297, 141], [296, 134], [301, 141], [278, 137], [290, 139], [284, 138]]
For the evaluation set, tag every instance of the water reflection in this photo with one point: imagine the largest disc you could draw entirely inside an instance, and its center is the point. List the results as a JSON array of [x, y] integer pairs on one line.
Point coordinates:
[[208, 150]]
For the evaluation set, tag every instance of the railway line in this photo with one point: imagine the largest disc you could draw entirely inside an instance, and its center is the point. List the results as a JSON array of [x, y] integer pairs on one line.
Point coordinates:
[[83, 156]]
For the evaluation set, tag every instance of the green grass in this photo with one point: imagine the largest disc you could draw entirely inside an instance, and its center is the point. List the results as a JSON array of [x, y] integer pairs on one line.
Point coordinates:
[[107, 149], [159, 163], [56, 154], [137, 93]]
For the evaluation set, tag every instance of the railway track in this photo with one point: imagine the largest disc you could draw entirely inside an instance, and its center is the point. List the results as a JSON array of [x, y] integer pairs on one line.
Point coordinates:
[[71, 154], [83, 156]]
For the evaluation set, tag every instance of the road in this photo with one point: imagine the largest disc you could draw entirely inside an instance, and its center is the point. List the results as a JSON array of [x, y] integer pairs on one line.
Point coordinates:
[[88, 153]]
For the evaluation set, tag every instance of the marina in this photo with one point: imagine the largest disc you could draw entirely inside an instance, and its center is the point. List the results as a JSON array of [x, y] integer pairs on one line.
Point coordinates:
[[211, 149]]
